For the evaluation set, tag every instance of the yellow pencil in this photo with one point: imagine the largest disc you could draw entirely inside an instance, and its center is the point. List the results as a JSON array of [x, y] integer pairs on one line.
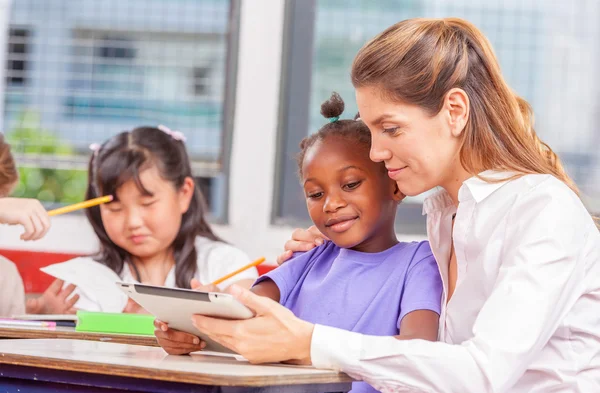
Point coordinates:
[[81, 205], [248, 266]]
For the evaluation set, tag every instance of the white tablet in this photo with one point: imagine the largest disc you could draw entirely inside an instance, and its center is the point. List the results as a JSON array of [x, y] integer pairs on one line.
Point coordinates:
[[176, 306]]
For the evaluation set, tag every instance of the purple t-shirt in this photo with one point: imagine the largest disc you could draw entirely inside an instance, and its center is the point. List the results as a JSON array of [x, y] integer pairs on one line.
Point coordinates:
[[368, 293]]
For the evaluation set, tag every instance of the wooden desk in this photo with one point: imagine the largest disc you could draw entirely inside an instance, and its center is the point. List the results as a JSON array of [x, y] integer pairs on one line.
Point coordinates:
[[88, 366], [7, 331]]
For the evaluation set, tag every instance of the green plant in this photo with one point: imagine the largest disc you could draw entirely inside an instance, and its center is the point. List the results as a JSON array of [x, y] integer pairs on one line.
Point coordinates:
[[51, 185]]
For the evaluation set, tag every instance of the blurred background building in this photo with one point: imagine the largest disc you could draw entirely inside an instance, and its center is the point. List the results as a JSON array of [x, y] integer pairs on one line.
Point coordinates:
[[244, 79]]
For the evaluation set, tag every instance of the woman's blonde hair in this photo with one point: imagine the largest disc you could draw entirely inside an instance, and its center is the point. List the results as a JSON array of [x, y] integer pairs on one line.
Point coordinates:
[[417, 61]]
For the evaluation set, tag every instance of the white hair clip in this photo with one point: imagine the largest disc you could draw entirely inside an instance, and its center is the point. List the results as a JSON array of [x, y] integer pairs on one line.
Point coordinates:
[[95, 147], [177, 135]]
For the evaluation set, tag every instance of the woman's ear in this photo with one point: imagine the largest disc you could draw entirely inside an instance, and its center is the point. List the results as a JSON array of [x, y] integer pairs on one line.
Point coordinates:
[[457, 105], [186, 192]]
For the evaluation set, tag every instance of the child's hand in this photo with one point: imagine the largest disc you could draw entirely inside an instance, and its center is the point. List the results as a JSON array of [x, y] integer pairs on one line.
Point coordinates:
[[55, 300], [196, 286], [26, 212], [175, 342]]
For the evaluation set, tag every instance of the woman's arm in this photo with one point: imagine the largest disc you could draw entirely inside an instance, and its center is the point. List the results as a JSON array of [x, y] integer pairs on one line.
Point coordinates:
[[245, 283], [176, 342], [274, 334], [541, 278]]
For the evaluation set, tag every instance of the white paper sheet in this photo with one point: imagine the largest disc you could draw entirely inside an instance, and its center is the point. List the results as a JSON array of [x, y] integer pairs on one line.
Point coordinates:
[[95, 284]]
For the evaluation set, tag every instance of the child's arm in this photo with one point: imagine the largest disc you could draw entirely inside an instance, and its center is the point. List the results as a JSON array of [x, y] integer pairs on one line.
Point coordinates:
[[421, 301], [267, 288], [26, 212], [419, 324]]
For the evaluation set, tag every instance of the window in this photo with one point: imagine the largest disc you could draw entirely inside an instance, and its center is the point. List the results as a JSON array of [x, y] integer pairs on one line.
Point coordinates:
[[113, 66], [548, 54], [18, 50], [115, 48], [108, 66], [201, 85]]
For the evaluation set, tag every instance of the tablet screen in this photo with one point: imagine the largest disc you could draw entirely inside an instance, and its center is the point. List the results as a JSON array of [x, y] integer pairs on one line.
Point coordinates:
[[172, 292]]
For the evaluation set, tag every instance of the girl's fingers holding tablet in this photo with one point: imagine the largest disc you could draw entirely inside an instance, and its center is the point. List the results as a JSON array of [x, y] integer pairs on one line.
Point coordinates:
[[175, 342], [160, 325]]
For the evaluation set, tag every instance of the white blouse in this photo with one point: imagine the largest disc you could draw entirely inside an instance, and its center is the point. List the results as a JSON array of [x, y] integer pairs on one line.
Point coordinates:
[[525, 314], [214, 260]]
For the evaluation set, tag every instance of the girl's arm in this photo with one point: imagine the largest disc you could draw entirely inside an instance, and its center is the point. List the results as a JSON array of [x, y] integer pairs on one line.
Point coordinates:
[[419, 324], [420, 305], [268, 289]]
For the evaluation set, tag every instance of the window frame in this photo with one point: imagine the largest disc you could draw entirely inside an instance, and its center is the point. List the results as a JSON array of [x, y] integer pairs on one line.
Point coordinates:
[[294, 120]]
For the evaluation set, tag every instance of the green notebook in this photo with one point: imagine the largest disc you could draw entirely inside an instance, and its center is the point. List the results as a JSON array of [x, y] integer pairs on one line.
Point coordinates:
[[103, 322]]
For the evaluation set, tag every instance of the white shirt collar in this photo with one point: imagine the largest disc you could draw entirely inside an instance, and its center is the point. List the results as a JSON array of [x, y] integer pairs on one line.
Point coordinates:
[[485, 184]]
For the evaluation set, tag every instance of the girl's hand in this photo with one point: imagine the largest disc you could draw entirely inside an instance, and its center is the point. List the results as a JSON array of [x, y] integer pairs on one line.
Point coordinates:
[[55, 300], [26, 212], [302, 240], [175, 342]]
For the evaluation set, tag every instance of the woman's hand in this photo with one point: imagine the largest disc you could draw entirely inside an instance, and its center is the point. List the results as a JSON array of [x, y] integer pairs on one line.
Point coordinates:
[[273, 335], [302, 240], [55, 300], [197, 286], [175, 342]]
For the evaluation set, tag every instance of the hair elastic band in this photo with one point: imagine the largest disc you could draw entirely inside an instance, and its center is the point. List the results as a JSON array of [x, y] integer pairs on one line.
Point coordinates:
[[177, 135]]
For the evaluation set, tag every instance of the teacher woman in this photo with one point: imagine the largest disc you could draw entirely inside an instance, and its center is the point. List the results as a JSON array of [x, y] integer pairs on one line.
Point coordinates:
[[518, 252]]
